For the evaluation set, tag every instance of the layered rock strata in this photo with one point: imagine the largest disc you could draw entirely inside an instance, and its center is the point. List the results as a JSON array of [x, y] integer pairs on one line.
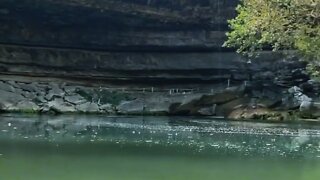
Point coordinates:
[[141, 57]]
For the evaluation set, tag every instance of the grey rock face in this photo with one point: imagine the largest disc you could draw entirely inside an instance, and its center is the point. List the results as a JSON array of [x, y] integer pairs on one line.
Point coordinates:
[[203, 66], [59, 106], [40, 99], [54, 92], [88, 107], [108, 108], [235, 100], [135, 106], [9, 101], [70, 90], [294, 89], [163, 24], [305, 105], [32, 87], [132, 40], [75, 99], [157, 107], [6, 87], [27, 106], [6, 96], [29, 95], [208, 111], [303, 100]]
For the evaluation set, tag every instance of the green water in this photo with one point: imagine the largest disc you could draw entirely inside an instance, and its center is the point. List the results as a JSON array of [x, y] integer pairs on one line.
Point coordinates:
[[138, 148]]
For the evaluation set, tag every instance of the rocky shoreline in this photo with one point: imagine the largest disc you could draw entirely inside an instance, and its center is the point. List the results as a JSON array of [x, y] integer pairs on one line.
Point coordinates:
[[241, 102], [140, 57]]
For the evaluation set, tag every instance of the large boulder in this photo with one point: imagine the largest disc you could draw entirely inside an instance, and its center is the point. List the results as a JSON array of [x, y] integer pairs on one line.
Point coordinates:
[[8, 100], [58, 105], [75, 99], [70, 90], [161, 107], [208, 111], [203, 104], [107, 108], [6, 87], [300, 99], [30, 87], [54, 92], [88, 107], [27, 106], [228, 107], [131, 107]]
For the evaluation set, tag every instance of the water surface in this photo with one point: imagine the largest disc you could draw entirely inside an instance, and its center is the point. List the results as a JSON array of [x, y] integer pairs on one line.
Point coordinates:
[[120, 148]]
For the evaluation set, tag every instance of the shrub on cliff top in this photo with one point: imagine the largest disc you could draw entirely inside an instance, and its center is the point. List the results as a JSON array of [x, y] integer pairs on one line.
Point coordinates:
[[276, 24]]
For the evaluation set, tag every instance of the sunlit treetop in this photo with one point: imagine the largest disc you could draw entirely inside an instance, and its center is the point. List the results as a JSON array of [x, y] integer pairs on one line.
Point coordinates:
[[276, 24]]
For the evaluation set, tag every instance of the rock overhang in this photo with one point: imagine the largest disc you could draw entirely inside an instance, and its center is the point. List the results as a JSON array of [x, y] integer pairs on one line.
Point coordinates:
[[117, 25]]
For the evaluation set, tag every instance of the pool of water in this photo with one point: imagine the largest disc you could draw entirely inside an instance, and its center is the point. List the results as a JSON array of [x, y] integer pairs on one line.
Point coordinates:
[[153, 148]]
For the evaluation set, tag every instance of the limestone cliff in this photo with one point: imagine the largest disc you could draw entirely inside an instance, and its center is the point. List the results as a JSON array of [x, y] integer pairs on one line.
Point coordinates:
[[172, 48], [129, 40], [122, 25]]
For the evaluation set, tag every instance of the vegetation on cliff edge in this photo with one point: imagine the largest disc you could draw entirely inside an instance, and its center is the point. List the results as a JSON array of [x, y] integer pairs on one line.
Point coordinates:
[[280, 25]]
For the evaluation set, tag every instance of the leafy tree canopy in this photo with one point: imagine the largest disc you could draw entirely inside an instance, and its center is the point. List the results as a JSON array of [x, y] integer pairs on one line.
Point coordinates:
[[276, 24]]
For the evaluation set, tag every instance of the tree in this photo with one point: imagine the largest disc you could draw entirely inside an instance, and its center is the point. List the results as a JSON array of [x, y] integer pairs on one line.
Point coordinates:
[[276, 24]]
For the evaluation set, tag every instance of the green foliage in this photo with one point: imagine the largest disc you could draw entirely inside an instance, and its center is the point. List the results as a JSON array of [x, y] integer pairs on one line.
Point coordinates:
[[279, 24]]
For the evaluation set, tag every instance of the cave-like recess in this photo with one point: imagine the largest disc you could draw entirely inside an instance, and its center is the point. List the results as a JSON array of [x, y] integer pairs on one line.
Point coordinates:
[[129, 41], [117, 25]]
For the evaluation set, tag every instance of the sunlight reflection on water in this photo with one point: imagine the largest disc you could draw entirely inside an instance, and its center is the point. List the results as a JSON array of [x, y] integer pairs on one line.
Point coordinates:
[[98, 147]]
